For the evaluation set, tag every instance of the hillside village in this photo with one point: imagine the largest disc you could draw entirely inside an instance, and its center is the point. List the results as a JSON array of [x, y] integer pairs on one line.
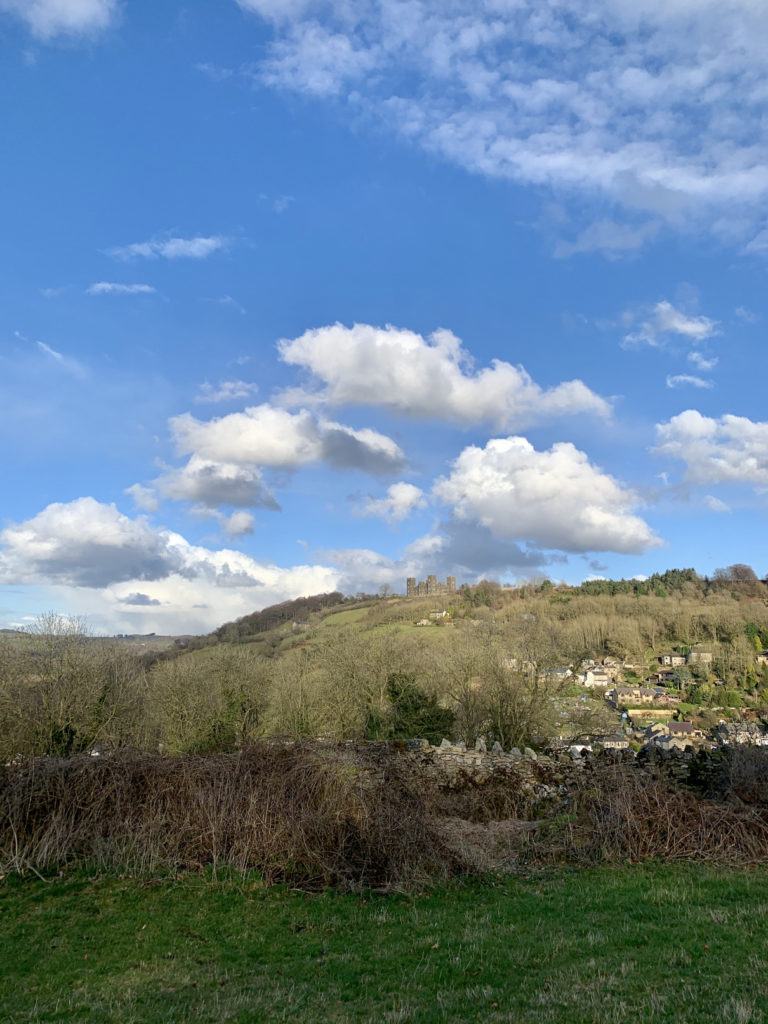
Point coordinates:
[[652, 708], [675, 700]]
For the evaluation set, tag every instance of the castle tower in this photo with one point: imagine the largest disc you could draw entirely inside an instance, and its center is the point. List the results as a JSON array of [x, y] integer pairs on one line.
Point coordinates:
[[450, 582], [410, 586]]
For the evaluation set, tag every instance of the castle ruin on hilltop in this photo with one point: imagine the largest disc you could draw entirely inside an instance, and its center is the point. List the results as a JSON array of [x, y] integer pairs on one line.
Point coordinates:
[[429, 587]]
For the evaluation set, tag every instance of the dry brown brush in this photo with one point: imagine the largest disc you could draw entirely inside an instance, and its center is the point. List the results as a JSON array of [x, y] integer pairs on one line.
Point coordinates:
[[307, 813], [624, 815], [360, 816]]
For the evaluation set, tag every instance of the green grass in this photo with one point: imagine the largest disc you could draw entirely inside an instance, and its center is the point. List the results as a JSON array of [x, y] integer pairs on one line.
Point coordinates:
[[646, 944], [345, 617]]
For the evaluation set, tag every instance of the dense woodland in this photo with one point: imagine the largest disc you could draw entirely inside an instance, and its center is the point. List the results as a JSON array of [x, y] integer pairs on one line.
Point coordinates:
[[351, 668]]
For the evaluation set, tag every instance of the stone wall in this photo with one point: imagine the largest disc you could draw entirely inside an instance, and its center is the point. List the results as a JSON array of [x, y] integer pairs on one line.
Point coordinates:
[[555, 774]]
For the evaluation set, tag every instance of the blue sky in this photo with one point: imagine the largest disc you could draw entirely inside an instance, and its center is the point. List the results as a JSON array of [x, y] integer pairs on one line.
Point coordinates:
[[300, 295]]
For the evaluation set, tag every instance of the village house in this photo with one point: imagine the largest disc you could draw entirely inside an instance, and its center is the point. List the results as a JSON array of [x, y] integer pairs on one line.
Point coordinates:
[[671, 742], [596, 676], [666, 698], [762, 658], [672, 735], [685, 729], [665, 676], [612, 668], [671, 659], [655, 729], [629, 696], [747, 734], [617, 741]]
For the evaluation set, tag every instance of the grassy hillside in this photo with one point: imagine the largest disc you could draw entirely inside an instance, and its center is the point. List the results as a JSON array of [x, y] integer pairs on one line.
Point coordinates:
[[323, 666]]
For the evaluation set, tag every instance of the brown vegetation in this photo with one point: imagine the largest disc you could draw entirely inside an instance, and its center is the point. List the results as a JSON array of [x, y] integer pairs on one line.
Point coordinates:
[[361, 816], [621, 815], [308, 814]]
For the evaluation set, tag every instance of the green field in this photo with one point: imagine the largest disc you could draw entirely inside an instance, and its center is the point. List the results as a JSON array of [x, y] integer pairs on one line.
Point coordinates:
[[345, 617], [648, 944]]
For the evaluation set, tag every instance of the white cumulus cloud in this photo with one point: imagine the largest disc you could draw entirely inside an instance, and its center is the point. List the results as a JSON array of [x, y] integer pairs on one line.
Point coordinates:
[[401, 499], [731, 449], [267, 436], [84, 543], [552, 499], [126, 575], [144, 498], [210, 484], [428, 378], [238, 524]]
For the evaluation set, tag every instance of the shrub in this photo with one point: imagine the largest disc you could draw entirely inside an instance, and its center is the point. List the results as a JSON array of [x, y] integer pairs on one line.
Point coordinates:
[[414, 712], [306, 813]]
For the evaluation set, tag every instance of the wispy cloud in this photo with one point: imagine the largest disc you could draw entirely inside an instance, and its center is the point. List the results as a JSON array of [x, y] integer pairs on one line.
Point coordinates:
[[226, 391], [663, 321], [681, 379], [214, 71], [50, 351], [702, 362], [746, 315], [655, 107], [59, 358], [610, 238], [49, 18], [230, 303], [114, 288], [196, 248], [278, 203]]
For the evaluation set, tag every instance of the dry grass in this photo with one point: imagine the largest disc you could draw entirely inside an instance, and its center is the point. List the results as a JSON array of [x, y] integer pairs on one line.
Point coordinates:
[[623, 815], [309, 814], [356, 817]]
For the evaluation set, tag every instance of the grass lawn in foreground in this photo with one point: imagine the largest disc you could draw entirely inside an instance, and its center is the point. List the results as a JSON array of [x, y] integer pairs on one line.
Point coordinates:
[[681, 944]]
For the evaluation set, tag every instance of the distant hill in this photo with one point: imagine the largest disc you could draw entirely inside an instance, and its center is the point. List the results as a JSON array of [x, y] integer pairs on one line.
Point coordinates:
[[277, 614]]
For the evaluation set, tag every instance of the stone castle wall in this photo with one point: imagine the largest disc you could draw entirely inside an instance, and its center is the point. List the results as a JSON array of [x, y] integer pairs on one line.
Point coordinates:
[[430, 587]]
